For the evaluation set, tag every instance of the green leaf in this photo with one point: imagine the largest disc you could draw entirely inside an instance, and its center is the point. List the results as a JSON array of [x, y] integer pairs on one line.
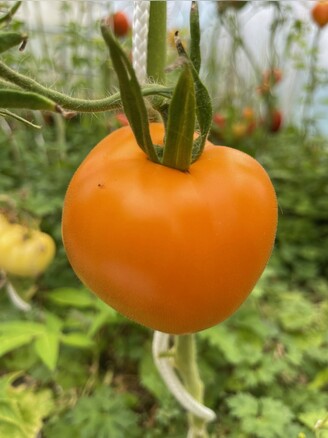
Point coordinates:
[[11, 341], [204, 115], [22, 327], [180, 124], [296, 312], [11, 39], [28, 100], [107, 315], [243, 405], [237, 346], [203, 105], [262, 418], [103, 414], [9, 15], [70, 297], [76, 340], [47, 348], [133, 103], [311, 418], [22, 411]]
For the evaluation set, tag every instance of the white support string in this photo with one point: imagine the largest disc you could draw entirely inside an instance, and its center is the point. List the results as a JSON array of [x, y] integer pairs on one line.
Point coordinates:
[[139, 39]]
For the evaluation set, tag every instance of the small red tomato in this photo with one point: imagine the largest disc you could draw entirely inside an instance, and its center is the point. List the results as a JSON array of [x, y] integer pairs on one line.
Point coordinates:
[[275, 121], [219, 120], [320, 13], [122, 119], [119, 23]]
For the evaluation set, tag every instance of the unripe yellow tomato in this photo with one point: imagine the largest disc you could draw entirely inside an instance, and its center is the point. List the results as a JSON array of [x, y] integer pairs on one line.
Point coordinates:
[[3, 223], [24, 252]]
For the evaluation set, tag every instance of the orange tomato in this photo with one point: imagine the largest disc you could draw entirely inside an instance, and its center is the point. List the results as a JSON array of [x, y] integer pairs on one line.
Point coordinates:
[[175, 251], [320, 13]]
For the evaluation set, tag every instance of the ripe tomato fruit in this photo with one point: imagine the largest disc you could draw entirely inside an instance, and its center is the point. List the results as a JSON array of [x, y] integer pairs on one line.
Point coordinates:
[[175, 251], [119, 23], [24, 252], [320, 13]]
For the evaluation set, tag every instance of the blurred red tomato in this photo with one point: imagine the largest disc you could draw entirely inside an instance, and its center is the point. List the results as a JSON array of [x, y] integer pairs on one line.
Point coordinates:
[[320, 13], [219, 120], [122, 119], [275, 121], [119, 24]]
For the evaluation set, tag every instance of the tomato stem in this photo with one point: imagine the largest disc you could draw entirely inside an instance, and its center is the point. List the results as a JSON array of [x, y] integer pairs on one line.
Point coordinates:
[[112, 102], [186, 363], [156, 57]]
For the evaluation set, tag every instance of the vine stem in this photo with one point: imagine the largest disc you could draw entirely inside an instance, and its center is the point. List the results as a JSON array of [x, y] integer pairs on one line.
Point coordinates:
[[312, 81], [190, 396], [112, 102], [156, 59]]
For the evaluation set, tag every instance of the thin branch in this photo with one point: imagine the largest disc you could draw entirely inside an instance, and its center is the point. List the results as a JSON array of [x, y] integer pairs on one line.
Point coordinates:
[[112, 102]]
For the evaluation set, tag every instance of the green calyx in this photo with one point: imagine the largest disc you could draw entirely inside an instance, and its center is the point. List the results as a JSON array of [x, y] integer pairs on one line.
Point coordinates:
[[189, 109]]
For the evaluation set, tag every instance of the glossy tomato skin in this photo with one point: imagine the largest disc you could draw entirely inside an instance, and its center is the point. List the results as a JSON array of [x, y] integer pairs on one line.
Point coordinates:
[[177, 252]]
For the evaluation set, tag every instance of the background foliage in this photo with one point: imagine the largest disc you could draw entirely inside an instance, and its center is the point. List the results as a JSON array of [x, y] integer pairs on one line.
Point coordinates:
[[72, 366]]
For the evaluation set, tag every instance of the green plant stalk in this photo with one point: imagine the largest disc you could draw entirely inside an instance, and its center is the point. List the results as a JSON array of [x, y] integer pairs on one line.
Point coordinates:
[[156, 51], [9, 15], [312, 81], [112, 102], [186, 363], [195, 55]]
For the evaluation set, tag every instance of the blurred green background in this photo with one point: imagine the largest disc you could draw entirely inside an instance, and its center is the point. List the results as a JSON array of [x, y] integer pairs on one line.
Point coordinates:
[[71, 366]]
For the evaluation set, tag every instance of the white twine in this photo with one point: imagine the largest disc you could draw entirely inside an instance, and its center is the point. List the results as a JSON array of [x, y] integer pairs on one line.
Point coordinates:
[[139, 39], [164, 366], [17, 301]]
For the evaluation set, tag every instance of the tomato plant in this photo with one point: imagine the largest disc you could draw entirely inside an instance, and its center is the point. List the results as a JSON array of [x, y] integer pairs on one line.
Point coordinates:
[[175, 251], [320, 13], [23, 251]]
